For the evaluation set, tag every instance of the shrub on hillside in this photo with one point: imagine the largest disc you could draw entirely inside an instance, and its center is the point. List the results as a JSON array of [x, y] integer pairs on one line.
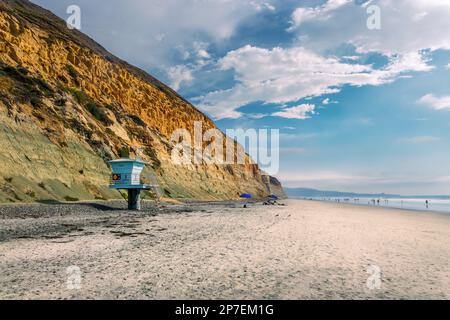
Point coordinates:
[[94, 108]]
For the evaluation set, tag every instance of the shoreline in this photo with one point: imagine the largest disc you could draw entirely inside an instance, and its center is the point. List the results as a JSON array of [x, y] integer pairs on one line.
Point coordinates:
[[411, 210], [120, 205]]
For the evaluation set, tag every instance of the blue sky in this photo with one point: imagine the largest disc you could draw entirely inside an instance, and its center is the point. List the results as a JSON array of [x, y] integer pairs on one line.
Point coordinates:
[[358, 109]]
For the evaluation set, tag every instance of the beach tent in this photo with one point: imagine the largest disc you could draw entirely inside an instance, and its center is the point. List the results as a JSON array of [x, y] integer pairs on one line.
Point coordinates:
[[246, 196]]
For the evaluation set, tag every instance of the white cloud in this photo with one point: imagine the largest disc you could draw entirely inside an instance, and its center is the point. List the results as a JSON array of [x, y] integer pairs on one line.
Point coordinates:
[[448, 66], [351, 58], [179, 74], [320, 13], [170, 22], [328, 101], [203, 54], [420, 139], [270, 7], [281, 75], [406, 26], [259, 6], [437, 103], [300, 112], [200, 49], [256, 115]]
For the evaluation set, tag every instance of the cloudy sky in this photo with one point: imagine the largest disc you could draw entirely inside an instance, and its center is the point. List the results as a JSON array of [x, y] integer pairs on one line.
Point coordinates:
[[358, 108]]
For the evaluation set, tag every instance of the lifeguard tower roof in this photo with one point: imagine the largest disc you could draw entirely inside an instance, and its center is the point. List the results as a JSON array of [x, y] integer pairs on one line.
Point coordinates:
[[126, 160]]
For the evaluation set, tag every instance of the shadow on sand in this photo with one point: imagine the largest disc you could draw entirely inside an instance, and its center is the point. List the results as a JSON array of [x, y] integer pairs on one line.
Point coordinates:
[[94, 205]]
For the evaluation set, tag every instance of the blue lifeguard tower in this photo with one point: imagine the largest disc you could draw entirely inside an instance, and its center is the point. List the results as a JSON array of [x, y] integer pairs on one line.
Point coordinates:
[[127, 176]]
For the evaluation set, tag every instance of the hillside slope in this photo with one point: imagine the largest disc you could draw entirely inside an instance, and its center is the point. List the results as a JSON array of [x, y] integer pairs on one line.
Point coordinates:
[[67, 106]]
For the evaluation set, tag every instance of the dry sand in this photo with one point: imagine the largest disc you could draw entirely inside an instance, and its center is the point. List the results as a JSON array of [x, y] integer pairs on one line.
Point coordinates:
[[307, 250]]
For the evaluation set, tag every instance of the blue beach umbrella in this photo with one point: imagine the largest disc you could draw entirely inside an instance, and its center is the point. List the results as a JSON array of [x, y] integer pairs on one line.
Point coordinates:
[[274, 197], [246, 196]]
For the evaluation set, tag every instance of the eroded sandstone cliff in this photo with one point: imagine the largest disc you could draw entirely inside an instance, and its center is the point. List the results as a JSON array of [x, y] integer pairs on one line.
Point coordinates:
[[67, 106]]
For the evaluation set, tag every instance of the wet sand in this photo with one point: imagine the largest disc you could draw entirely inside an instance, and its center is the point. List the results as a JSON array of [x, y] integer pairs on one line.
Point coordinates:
[[306, 250]]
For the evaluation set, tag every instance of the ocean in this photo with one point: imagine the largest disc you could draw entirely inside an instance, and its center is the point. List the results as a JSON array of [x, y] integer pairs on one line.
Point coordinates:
[[434, 205]]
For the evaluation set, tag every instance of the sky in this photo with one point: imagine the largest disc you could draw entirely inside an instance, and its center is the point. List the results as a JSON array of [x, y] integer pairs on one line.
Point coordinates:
[[359, 89]]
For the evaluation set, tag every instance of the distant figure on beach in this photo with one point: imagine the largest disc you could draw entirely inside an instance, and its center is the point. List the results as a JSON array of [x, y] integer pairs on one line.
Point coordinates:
[[427, 203]]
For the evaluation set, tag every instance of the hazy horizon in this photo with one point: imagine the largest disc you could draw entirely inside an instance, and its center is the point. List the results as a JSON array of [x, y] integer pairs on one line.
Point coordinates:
[[370, 193]]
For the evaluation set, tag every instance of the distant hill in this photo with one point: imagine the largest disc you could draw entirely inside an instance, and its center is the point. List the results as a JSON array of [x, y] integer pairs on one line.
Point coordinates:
[[313, 193]]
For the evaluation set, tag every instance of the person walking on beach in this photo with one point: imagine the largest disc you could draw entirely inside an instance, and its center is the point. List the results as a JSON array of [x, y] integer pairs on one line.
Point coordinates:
[[427, 203]]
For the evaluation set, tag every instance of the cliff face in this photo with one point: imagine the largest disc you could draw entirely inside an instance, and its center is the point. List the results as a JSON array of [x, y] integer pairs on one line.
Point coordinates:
[[67, 106], [274, 186]]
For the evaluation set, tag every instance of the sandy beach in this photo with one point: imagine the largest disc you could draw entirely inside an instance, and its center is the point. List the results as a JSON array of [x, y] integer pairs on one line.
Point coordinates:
[[306, 250]]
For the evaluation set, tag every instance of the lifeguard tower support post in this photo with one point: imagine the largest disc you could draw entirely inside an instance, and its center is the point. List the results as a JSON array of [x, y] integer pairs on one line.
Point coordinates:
[[127, 176]]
